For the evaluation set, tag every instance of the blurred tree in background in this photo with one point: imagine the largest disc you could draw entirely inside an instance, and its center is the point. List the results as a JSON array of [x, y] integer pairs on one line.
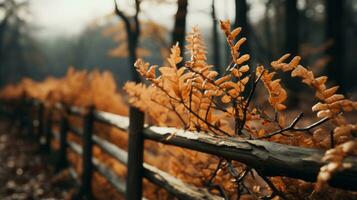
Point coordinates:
[[18, 50], [322, 31]]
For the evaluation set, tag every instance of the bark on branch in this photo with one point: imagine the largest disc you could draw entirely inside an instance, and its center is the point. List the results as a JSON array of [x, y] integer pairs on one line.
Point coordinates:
[[269, 158]]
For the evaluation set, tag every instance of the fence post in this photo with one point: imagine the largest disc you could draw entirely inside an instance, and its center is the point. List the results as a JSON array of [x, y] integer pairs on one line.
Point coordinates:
[[40, 117], [23, 115], [62, 154], [135, 155], [31, 117], [86, 190], [48, 132]]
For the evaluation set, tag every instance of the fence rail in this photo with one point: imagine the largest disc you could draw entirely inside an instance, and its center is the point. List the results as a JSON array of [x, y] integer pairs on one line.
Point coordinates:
[[270, 159]]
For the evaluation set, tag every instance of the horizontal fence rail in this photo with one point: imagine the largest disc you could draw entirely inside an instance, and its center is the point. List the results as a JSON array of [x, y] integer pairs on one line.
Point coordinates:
[[159, 177], [271, 159], [268, 158], [117, 121]]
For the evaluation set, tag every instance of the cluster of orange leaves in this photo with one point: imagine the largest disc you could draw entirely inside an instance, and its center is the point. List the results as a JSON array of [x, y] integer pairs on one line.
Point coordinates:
[[77, 87], [335, 157], [331, 105], [188, 91]]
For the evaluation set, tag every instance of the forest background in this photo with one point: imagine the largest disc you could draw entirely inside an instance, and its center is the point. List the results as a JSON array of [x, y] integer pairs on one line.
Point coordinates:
[[39, 38]]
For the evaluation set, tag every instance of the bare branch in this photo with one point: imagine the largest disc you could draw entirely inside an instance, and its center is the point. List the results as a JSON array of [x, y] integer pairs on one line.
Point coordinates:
[[249, 99], [291, 127], [120, 14], [192, 112]]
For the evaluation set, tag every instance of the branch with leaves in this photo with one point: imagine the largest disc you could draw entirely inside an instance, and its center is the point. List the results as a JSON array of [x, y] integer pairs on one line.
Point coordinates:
[[203, 100]]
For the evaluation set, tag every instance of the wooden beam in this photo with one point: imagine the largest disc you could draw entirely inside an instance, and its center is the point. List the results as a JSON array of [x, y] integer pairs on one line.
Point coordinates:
[[269, 158], [173, 185], [109, 174], [176, 187], [117, 121], [272, 159], [88, 122], [62, 161], [136, 154]]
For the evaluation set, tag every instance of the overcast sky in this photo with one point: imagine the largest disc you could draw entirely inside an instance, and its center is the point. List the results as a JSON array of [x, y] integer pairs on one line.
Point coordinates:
[[70, 17]]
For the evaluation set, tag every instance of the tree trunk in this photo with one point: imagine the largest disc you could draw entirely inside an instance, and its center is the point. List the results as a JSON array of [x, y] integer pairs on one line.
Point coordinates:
[[270, 52], [334, 32], [291, 27], [132, 46], [241, 20], [133, 33], [179, 31], [291, 46], [215, 40]]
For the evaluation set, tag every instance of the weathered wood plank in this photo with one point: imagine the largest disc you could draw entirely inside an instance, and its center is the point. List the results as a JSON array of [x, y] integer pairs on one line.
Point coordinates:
[[109, 174], [173, 185], [77, 111], [116, 181], [58, 106], [76, 148], [111, 149], [117, 121], [75, 130], [269, 158], [73, 110], [72, 172]]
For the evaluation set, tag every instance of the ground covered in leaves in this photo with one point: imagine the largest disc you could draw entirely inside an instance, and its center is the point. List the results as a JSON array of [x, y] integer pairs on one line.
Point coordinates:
[[26, 172]]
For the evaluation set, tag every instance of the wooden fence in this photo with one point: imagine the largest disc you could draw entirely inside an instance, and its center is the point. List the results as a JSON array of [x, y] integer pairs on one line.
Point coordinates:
[[268, 158]]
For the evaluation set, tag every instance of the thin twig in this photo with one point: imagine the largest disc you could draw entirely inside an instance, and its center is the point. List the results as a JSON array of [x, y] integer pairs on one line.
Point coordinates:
[[210, 183], [239, 177], [126, 20], [178, 114], [275, 191], [210, 81], [292, 127], [332, 139], [192, 112], [250, 97], [214, 174]]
